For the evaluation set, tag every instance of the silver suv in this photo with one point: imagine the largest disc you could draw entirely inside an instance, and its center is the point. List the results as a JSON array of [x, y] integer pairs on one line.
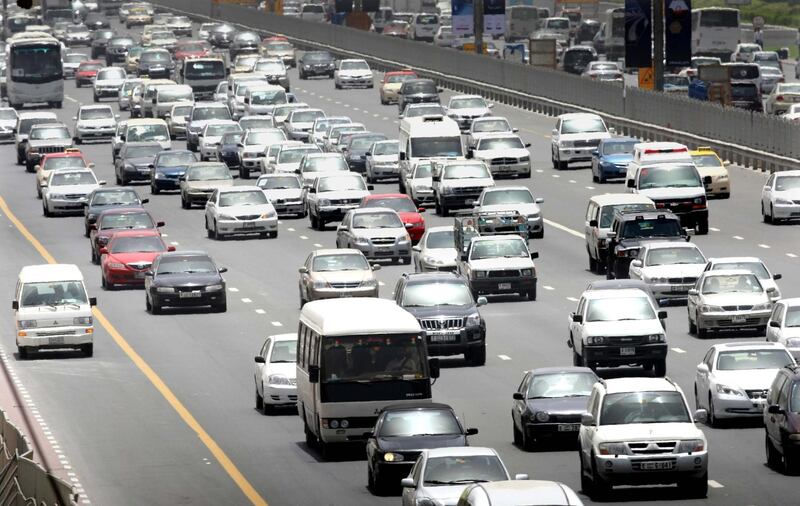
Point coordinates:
[[458, 184], [378, 233], [330, 197]]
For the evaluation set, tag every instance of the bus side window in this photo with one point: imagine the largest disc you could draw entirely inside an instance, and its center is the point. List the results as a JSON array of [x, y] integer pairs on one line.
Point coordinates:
[[313, 345], [301, 346]]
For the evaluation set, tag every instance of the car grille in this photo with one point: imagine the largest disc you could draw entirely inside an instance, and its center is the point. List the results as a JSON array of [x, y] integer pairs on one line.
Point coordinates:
[[468, 189], [246, 217], [382, 241], [52, 149], [355, 284], [344, 202], [652, 447], [291, 397], [504, 161], [748, 322], [441, 323], [505, 273], [190, 288], [56, 333], [737, 308], [586, 143], [140, 266], [625, 340], [682, 280], [676, 206], [757, 394], [75, 196]]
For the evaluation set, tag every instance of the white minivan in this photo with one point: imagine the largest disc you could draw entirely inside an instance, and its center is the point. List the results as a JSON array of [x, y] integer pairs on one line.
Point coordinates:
[[52, 309]]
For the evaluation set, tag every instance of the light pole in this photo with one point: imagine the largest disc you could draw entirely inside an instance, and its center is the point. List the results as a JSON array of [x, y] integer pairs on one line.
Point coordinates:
[[477, 18]]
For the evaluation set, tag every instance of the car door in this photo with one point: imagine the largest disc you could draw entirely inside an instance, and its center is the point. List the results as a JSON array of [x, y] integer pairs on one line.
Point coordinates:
[[212, 210], [773, 422], [344, 233], [518, 406], [701, 379], [691, 299], [576, 329], [586, 432], [776, 317], [554, 138], [260, 368], [766, 193]]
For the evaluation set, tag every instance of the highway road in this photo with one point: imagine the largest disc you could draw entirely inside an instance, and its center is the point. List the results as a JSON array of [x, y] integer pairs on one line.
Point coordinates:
[[164, 414]]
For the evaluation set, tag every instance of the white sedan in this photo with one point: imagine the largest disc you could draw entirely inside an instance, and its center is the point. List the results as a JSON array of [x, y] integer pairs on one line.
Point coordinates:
[[352, 73], [275, 373], [780, 197], [240, 210], [67, 191], [784, 325]]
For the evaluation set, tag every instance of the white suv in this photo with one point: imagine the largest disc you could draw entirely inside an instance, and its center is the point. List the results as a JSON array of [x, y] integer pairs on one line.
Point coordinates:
[[639, 431]]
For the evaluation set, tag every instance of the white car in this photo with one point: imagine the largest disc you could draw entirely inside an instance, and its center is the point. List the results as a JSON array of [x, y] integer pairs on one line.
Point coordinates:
[[784, 325], [336, 131], [285, 192], [383, 160], [237, 210], [424, 26], [436, 251], [288, 159], [527, 492], [352, 73], [8, 122], [733, 379], [266, 163], [575, 137], [752, 264], [419, 183], [640, 431], [93, 122], [253, 149], [670, 268], [463, 109], [444, 36], [221, 92], [603, 71], [314, 165], [211, 134], [517, 199], [275, 373], [108, 82], [299, 122], [281, 112], [780, 197], [67, 191], [744, 52], [71, 63], [319, 129], [505, 154], [488, 125]]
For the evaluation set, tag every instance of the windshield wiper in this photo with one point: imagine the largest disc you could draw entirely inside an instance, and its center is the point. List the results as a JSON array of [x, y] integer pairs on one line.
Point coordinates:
[[282, 361]]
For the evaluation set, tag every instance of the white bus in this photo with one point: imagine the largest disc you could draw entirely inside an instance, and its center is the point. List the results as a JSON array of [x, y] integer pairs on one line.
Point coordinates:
[[354, 357], [521, 21], [715, 32], [34, 72]]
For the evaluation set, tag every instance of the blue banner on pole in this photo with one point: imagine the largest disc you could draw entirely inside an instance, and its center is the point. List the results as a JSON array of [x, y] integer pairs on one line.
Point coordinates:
[[678, 32], [638, 33], [463, 18]]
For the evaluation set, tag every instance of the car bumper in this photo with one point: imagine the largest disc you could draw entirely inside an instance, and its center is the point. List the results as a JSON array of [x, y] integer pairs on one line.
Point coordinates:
[[209, 152], [692, 218], [728, 406], [125, 277], [179, 131], [230, 159], [393, 251], [335, 213], [336, 293], [241, 227], [107, 91], [66, 205], [517, 169], [198, 197], [445, 267], [82, 133], [289, 208], [455, 342], [318, 71], [719, 187], [497, 286], [252, 163], [166, 183], [782, 211], [422, 195], [298, 135], [137, 175], [367, 81], [573, 154], [733, 320], [627, 470], [634, 354], [175, 300], [460, 200], [566, 427], [390, 96], [608, 171], [385, 171], [56, 337], [666, 291], [280, 395]]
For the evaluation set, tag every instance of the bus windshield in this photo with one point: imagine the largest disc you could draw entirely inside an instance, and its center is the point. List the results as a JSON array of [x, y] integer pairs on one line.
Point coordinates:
[[720, 18], [36, 63], [372, 358]]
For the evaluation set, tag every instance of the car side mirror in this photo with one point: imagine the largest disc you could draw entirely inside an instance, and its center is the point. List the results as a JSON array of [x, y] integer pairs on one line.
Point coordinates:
[[435, 367], [402, 156], [303, 270], [151, 166], [160, 224], [630, 183], [167, 115], [517, 396], [313, 374], [312, 190], [636, 263], [181, 178], [91, 165], [472, 431], [341, 227], [14, 304], [223, 270], [774, 409], [407, 483], [554, 132], [611, 235], [420, 209], [702, 368], [534, 255], [662, 315], [587, 419], [612, 130], [376, 267], [593, 223], [170, 248], [577, 318], [122, 138], [775, 324], [260, 360], [370, 187], [776, 277], [92, 301], [595, 152], [470, 153], [366, 154], [527, 144], [707, 180], [482, 301], [693, 291], [74, 118], [101, 183], [700, 416], [409, 225], [104, 251]]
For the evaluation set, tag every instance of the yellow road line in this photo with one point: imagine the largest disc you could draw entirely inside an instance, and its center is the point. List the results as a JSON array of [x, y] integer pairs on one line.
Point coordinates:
[[222, 458]]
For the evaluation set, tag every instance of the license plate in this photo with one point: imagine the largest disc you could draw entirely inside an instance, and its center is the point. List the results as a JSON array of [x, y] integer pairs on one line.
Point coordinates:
[[443, 338], [249, 224], [738, 319], [627, 351], [569, 427], [55, 340], [504, 286], [658, 466], [189, 295], [138, 275], [505, 168], [678, 288]]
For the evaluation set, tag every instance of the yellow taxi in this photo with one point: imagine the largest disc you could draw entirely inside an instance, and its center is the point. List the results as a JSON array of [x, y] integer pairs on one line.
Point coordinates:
[[709, 164]]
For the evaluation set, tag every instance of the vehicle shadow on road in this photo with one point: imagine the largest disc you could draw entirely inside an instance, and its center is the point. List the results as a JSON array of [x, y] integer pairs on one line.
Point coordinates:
[[642, 494], [50, 355], [348, 452]]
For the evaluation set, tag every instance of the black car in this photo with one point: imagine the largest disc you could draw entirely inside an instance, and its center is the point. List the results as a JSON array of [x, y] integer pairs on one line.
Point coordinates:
[[415, 91], [316, 63], [782, 421], [355, 151], [401, 432], [228, 149], [548, 404], [630, 229], [96, 21], [577, 58], [746, 96], [117, 49], [222, 35], [108, 198], [443, 304], [185, 279], [167, 167], [156, 64], [100, 42], [244, 43], [134, 161]]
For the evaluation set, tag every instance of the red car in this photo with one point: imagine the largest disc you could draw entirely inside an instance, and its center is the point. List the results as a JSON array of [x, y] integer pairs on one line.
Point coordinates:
[[409, 213], [87, 71], [192, 49], [128, 255], [112, 221]]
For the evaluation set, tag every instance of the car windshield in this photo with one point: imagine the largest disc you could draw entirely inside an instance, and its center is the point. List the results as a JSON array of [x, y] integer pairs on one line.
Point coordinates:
[[414, 112], [77, 29], [323, 124], [675, 80], [467, 103], [294, 155], [437, 294], [784, 183], [507, 197], [114, 197], [193, 47], [317, 57], [259, 138], [364, 143], [306, 116], [75, 58], [142, 151], [338, 131], [619, 148], [669, 176], [278, 46], [743, 360], [208, 113], [654, 227], [377, 220], [502, 248], [607, 212], [369, 358], [325, 164], [208, 173], [256, 123], [422, 170], [674, 256], [125, 220], [706, 161], [472, 171], [62, 162], [386, 148], [502, 143], [176, 94], [96, 113], [425, 87], [583, 125], [343, 262], [154, 57], [744, 91], [180, 112], [175, 158], [423, 422], [279, 183], [242, 198], [247, 37], [111, 73], [56, 293], [399, 78], [154, 132], [604, 67], [270, 67], [643, 407], [186, 265], [71, 178], [146, 244], [342, 183], [619, 309], [735, 283], [354, 65], [246, 60], [793, 316], [401, 205], [135, 51], [26, 124], [442, 239], [491, 125], [49, 133], [218, 130], [462, 470], [284, 352], [562, 384], [772, 72], [756, 268]]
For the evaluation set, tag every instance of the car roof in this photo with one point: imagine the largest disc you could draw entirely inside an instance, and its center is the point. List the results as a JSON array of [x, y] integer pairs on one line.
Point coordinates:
[[336, 251], [638, 384], [579, 115], [728, 272], [556, 370], [532, 492], [94, 106], [457, 97], [499, 135], [139, 232], [669, 244], [722, 260], [145, 121], [135, 144], [621, 198], [243, 188], [460, 451], [791, 301], [49, 272], [125, 210], [615, 140], [759, 345], [416, 406], [186, 253], [283, 337], [792, 173], [379, 196], [372, 210], [614, 293], [71, 154], [503, 188], [441, 228], [434, 277], [37, 114], [359, 316]]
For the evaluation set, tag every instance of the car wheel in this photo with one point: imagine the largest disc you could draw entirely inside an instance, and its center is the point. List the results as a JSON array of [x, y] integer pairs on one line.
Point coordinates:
[[154, 190], [87, 349], [185, 203], [221, 307], [24, 352], [476, 356], [766, 218], [702, 227], [216, 235], [660, 368], [586, 482], [95, 97], [772, 217], [702, 332], [45, 211], [531, 293], [313, 220], [600, 489], [713, 421], [259, 401], [692, 325], [320, 224], [576, 359], [695, 487], [773, 456], [592, 265], [266, 408], [789, 461]]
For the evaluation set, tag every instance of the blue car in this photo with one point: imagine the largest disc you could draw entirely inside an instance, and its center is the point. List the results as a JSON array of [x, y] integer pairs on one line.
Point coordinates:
[[228, 149], [610, 159], [168, 166]]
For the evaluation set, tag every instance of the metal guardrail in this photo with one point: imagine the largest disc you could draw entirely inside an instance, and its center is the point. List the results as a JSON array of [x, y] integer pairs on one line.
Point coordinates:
[[750, 139]]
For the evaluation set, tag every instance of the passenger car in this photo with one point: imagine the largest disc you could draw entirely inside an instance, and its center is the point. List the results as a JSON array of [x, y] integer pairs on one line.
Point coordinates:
[[728, 299], [517, 199], [417, 181], [111, 221], [240, 210], [733, 379], [94, 121], [781, 422], [155, 63], [709, 165], [316, 63], [487, 125], [458, 184], [639, 431], [382, 160], [408, 212], [752, 264], [784, 325], [610, 159], [782, 97], [780, 197], [108, 198], [401, 431], [529, 492], [378, 233], [505, 154], [107, 82], [330, 197], [275, 373], [463, 109], [45, 138], [632, 229], [352, 73], [134, 161], [436, 251], [391, 83], [415, 91], [67, 191], [333, 273], [499, 264], [209, 137], [285, 192], [200, 181], [128, 256], [71, 63], [670, 268], [603, 71], [185, 279], [575, 136], [299, 122], [167, 168], [548, 404], [70, 159]]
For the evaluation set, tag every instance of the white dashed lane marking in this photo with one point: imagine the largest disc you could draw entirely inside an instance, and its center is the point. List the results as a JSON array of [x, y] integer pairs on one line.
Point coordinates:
[[765, 246], [555, 176], [503, 357], [713, 229], [277, 324], [572, 181], [261, 311], [678, 350], [317, 245], [290, 229], [548, 287], [246, 300], [738, 238], [303, 237], [791, 255], [572, 299], [232, 289]]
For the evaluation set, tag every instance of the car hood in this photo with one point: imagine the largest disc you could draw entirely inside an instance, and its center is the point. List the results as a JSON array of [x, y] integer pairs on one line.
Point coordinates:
[[674, 271], [523, 209], [469, 111], [8, 123], [211, 184], [446, 495], [49, 142], [502, 263], [449, 255], [420, 442], [344, 276], [443, 312], [468, 182], [107, 122], [673, 193], [411, 217], [139, 257], [172, 171], [240, 210], [210, 139], [392, 86], [194, 279], [300, 125], [735, 299], [421, 181], [288, 166], [585, 136], [109, 82], [379, 232], [343, 194], [623, 328], [751, 379], [73, 188], [621, 159], [138, 161], [288, 369], [559, 406], [291, 193], [648, 431], [385, 158], [501, 153], [279, 53], [356, 73]]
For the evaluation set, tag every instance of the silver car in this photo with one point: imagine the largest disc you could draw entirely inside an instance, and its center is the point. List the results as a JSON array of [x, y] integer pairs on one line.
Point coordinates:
[[378, 233], [670, 268], [436, 251], [320, 128], [752, 264], [299, 122], [515, 199], [8, 122], [252, 149], [488, 125], [418, 183], [336, 131], [333, 273], [94, 121], [317, 164], [728, 299], [383, 161], [285, 191], [240, 210], [289, 158]]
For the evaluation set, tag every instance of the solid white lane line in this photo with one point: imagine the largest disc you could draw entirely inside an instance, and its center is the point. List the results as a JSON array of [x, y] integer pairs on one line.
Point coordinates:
[[261, 311], [715, 484], [563, 228], [765, 246], [277, 324], [738, 238], [246, 300], [503, 357], [678, 350], [70, 99]]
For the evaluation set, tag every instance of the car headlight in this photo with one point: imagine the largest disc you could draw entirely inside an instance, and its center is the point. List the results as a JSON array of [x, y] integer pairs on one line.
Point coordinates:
[[699, 200], [268, 215], [690, 446], [321, 284], [324, 202], [527, 272], [27, 324], [473, 320], [596, 340], [361, 240], [783, 202], [542, 416], [762, 307], [525, 159], [165, 289], [480, 274], [55, 196], [726, 390], [793, 343], [404, 239], [422, 187], [612, 449], [369, 283], [160, 175], [392, 457], [278, 379], [432, 260], [82, 320], [658, 280], [214, 288], [708, 308], [226, 217], [565, 144], [444, 190], [656, 338], [116, 265]]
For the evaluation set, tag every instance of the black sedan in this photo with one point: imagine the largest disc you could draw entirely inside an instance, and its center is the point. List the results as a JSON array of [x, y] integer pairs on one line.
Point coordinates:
[[156, 64], [245, 43], [222, 35], [316, 63], [100, 42], [96, 21], [228, 149], [134, 161], [401, 432], [167, 168], [185, 279], [108, 198], [357, 147], [549, 403]]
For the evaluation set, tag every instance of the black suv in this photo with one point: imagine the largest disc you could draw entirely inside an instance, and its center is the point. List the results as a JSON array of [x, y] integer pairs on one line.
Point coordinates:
[[782, 420], [316, 63], [415, 91], [443, 304], [629, 230]]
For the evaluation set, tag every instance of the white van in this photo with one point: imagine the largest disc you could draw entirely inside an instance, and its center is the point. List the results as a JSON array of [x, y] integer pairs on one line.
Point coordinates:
[[147, 130], [312, 12], [431, 136], [52, 309], [355, 356], [168, 95], [424, 26]]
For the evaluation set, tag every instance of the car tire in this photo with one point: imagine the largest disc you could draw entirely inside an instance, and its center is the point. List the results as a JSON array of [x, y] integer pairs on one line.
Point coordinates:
[[476, 356], [87, 349], [660, 368], [78, 140], [713, 421], [216, 235], [538, 235], [259, 401], [592, 265], [696, 488], [600, 489], [445, 212], [320, 224], [773, 456], [702, 332], [766, 218], [772, 217], [46, 212], [531, 294], [577, 361], [586, 482], [154, 190], [692, 326], [516, 433], [155, 308], [221, 307], [244, 173], [702, 227], [272, 235], [313, 220], [185, 203], [95, 97], [24, 352]]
